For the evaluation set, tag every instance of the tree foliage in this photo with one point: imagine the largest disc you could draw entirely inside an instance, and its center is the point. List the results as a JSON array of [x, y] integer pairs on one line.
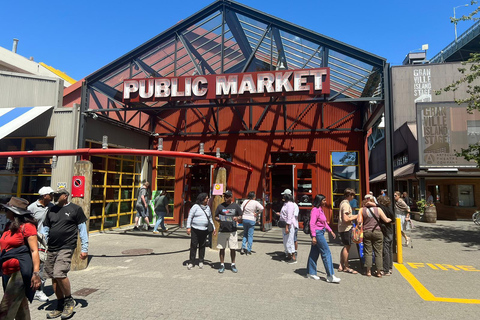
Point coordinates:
[[470, 73]]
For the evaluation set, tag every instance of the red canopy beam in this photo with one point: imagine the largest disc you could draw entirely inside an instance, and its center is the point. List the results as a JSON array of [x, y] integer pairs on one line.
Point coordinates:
[[138, 152]]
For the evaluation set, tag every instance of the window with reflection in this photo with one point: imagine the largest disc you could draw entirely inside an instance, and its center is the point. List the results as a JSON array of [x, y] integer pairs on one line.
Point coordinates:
[[345, 171], [114, 181], [27, 175]]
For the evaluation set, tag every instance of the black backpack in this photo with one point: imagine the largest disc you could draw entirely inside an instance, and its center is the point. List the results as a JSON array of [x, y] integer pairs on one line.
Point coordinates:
[[306, 225]]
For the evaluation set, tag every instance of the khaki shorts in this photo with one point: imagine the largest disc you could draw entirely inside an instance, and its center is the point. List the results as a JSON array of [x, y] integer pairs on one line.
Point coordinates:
[[227, 240], [58, 263]]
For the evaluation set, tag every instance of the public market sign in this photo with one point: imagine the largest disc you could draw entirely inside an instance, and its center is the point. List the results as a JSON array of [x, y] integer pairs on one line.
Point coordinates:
[[233, 85]]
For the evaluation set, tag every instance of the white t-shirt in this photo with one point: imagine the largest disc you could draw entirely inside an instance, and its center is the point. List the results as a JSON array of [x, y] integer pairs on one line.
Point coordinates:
[[249, 208]]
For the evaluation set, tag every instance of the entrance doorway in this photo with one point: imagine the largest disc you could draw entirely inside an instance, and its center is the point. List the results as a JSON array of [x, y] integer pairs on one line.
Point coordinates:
[[197, 179], [300, 178]]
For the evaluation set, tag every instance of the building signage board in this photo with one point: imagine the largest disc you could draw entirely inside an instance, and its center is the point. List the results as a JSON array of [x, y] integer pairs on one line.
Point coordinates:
[[233, 85], [444, 128]]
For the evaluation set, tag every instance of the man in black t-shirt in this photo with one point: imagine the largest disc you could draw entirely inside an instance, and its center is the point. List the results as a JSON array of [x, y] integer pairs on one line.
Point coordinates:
[[228, 213], [63, 223]]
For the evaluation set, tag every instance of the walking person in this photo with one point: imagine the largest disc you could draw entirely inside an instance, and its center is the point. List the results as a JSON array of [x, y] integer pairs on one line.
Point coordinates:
[[19, 260], [197, 226], [287, 215], [384, 204], [318, 225], [63, 224], [345, 223], [229, 214], [39, 210], [372, 235], [142, 206], [251, 208], [161, 210], [402, 211]]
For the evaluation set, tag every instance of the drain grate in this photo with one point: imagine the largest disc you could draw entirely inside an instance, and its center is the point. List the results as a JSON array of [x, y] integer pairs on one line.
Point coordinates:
[[137, 252], [84, 292]]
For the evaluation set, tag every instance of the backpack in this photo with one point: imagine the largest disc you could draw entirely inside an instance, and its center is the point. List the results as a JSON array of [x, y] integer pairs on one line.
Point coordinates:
[[306, 225]]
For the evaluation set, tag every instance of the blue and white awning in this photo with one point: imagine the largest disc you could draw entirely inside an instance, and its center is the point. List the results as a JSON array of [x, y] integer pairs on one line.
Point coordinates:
[[12, 119]]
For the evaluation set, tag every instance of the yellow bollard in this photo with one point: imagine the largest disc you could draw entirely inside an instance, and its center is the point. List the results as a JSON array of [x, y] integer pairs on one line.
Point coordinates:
[[399, 240]]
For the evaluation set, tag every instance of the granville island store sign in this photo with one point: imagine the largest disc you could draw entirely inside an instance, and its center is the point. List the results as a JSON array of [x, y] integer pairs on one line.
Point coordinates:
[[311, 82]]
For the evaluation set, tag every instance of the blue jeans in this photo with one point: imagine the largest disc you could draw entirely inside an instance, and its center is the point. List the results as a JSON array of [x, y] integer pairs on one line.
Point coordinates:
[[160, 220], [248, 228], [320, 249]]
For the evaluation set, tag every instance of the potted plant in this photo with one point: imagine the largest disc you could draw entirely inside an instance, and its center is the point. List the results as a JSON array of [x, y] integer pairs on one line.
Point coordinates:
[[427, 210]]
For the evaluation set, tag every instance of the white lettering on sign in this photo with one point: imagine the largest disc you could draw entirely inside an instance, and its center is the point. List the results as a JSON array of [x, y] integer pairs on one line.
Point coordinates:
[[225, 85], [422, 85], [439, 266]]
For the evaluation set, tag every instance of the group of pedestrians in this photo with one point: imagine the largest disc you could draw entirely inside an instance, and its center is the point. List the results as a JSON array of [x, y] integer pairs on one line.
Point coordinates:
[[30, 231], [374, 216], [228, 214]]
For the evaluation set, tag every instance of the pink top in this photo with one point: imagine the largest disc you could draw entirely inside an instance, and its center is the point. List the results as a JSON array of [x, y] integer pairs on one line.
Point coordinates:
[[318, 221]]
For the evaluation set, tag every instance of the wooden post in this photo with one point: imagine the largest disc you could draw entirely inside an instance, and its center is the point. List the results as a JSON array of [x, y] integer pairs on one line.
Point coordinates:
[[220, 177], [82, 168]]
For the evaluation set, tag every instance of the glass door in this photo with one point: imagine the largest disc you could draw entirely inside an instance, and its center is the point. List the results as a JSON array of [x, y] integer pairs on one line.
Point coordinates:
[[305, 189]]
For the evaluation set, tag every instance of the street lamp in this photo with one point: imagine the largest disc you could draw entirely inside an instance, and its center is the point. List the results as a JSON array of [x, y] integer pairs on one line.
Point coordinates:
[[455, 19]]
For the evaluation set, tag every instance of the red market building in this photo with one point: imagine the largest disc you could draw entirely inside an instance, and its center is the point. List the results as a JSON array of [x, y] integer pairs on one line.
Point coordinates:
[[233, 82]]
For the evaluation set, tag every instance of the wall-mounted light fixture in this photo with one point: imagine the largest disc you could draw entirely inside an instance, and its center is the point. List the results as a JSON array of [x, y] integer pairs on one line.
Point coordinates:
[[202, 148], [54, 162], [160, 144], [9, 163], [218, 153], [105, 142]]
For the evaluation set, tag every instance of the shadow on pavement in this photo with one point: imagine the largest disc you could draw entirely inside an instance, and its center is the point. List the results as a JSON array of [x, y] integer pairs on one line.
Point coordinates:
[[469, 238]]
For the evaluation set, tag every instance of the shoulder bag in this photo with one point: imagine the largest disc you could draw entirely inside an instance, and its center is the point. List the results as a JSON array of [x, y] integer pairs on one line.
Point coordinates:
[[357, 232], [383, 227], [210, 226]]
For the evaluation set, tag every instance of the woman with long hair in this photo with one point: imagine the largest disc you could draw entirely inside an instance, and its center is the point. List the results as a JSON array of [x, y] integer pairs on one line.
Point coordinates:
[[318, 225], [197, 227], [372, 235], [402, 211], [384, 204], [19, 260]]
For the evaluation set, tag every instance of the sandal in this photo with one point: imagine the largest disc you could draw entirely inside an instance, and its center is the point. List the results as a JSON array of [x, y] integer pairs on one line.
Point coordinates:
[[350, 270], [368, 274]]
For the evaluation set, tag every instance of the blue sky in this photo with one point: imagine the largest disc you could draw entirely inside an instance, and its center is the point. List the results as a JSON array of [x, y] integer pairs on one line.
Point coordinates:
[[79, 37]]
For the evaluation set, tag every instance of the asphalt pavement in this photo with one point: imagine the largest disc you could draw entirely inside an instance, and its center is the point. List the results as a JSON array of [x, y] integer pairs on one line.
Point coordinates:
[[139, 275]]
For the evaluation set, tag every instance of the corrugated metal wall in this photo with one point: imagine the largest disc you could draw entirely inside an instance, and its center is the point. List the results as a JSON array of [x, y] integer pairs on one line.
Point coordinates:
[[255, 149], [22, 90]]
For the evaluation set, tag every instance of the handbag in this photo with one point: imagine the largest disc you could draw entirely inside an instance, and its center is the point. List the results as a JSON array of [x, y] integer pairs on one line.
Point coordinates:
[[357, 233], [282, 224], [383, 227], [210, 226]]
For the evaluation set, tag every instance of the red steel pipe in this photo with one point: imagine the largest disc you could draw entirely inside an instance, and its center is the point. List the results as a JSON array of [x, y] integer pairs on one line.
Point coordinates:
[[138, 152]]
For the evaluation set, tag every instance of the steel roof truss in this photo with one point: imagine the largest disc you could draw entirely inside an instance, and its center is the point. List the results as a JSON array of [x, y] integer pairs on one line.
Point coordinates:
[[252, 55], [352, 85], [236, 29]]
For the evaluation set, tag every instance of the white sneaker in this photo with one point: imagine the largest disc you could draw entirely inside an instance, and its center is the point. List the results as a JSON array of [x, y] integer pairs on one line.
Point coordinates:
[[189, 266], [313, 276], [40, 296], [200, 265], [333, 279]]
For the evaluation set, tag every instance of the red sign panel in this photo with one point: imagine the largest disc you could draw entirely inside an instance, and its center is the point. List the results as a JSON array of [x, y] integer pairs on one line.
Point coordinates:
[[78, 186], [233, 85]]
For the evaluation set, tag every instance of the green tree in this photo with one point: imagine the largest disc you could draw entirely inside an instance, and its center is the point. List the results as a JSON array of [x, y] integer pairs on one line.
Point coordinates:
[[470, 74]]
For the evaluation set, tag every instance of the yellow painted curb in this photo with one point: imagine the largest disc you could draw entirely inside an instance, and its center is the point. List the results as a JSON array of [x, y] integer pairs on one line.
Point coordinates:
[[423, 292]]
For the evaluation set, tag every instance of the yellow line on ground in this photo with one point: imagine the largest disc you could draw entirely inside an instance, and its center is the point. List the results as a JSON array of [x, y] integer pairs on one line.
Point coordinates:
[[423, 292]]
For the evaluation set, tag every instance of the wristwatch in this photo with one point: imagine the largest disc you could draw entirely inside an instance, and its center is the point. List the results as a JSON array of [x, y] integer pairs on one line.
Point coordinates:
[[36, 273]]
